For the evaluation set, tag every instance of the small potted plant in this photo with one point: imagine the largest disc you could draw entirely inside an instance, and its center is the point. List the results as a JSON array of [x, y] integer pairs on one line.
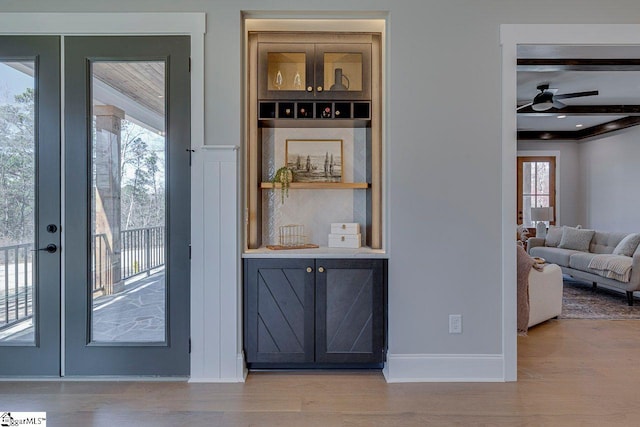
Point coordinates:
[[283, 176]]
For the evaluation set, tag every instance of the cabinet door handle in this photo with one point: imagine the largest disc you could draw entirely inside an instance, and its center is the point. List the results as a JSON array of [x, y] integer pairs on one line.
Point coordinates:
[[321, 269], [309, 269], [309, 88], [319, 89]]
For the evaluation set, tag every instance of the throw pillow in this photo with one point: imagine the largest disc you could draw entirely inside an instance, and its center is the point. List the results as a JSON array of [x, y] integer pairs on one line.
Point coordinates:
[[554, 235], [628, 245], [576, 239]]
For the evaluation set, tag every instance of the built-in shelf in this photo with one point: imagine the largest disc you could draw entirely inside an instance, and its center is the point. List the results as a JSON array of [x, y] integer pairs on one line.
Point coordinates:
[[318, 185], [343, 103], [314, 123], [314, 114]]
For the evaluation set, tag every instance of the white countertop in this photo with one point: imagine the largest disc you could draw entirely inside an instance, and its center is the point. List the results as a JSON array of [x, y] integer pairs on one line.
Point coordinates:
[[321, 252]]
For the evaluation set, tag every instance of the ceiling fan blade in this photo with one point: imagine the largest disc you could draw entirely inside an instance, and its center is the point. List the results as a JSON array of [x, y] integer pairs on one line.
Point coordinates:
[[557, 104], [576, 94], [524, 106]]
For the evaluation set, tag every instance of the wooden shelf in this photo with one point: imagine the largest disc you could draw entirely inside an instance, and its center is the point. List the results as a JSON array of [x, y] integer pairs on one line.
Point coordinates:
[[319, 185]]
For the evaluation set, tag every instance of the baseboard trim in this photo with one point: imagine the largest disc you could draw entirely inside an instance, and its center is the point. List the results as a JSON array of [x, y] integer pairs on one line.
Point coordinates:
[[103, 378], [241, 374], [215, 380], [241, 368], [402, 368]]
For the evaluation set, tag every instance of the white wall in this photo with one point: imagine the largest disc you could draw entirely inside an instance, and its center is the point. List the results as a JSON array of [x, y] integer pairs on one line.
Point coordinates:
[[610, 176], [568, 189], [443, 147]]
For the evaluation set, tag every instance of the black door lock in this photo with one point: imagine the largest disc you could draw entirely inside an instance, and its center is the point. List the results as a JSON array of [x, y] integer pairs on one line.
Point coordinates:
[[51, 248], [52, 228]]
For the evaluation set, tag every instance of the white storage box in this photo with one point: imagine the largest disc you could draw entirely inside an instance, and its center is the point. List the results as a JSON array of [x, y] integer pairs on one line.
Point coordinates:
[[345, 228], [345, 240]]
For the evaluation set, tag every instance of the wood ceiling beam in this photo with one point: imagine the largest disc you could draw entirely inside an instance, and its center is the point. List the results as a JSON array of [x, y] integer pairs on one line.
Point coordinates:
[[546, 135], [612, 126], [586, 110], [578, 64], [598, 130]]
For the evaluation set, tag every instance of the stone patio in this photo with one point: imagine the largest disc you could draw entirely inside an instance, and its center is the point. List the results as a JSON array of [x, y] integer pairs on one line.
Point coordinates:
[[137, 314]]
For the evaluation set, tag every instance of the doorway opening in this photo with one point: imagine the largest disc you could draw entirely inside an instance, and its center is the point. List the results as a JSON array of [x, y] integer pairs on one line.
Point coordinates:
[[513, 37]]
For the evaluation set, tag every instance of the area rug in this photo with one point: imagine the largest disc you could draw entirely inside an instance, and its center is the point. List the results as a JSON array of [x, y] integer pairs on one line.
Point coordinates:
[[581, 301]]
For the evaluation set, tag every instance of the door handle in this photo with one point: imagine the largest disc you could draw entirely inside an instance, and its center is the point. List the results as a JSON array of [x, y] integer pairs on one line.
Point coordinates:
[[51, 248]]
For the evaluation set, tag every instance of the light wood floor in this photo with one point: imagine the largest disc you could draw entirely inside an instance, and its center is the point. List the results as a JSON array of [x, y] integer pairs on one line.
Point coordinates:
[[571, 372]]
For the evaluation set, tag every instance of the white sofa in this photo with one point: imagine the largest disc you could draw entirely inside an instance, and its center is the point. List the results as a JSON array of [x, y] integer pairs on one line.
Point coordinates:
[[545, 294], [573, 250]]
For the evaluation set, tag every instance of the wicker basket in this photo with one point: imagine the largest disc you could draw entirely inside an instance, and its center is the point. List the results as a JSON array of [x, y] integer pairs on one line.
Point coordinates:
[[292, 235]]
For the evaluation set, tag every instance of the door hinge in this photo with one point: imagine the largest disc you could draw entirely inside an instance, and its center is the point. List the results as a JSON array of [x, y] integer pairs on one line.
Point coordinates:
[[189, 251], [189, 345], [189, 64], [190, 154]]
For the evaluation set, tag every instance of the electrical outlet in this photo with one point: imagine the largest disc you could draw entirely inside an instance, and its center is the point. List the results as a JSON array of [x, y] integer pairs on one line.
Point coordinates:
[[455, 323]]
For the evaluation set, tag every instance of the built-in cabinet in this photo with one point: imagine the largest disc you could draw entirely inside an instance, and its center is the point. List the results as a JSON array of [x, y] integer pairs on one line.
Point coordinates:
[[339, 70], [282, 67], [323, 306], [302, 312]]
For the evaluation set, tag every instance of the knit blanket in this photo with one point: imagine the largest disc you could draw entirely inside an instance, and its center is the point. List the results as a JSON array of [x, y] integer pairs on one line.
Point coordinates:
[[524, 264], [617, 267]]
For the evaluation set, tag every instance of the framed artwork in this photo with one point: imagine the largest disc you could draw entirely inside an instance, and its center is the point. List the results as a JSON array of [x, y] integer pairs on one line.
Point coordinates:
[[314, 160]]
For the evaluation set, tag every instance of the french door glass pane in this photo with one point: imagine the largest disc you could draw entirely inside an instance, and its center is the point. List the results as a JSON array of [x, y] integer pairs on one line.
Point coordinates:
[[535, 188], [17, 202], [542, 201], [527, 178], [543, 177], [527, 204], [128, 202]]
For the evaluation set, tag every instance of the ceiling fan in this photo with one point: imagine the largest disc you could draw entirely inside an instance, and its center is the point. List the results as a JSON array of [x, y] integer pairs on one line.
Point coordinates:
[[547, 98]]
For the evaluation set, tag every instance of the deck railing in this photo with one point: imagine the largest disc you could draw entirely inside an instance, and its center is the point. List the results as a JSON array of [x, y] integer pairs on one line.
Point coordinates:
[[142, 250], [16, 299]]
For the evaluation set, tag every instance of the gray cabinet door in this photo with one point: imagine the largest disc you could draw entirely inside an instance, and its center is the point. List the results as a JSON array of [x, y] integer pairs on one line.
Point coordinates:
[[279, 310], [350, 321]]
